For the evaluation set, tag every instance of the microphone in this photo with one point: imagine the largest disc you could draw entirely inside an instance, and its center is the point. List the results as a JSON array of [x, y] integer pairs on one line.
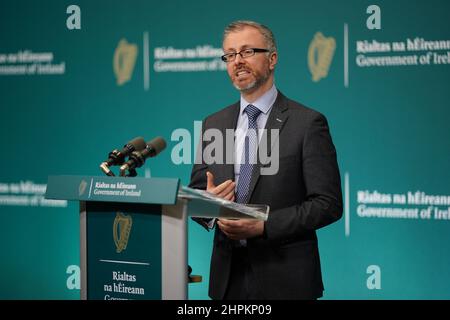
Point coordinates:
[[137, 158], [117, 157]]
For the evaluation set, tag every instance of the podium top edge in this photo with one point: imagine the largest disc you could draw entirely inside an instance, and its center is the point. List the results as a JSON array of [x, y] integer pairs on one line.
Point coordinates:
[[113, 189]]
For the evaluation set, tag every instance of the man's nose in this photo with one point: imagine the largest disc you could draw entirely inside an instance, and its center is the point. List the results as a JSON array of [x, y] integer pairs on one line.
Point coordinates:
[[238, 59]]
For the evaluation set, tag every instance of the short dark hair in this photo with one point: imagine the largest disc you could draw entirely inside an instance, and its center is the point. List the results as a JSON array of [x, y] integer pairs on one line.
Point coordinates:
[[265, 31]]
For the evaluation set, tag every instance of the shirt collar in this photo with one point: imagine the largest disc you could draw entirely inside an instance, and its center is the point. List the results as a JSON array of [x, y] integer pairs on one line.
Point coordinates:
[[263, 103]]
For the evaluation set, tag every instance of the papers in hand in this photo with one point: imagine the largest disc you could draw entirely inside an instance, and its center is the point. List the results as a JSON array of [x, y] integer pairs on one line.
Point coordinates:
[[208, 205]]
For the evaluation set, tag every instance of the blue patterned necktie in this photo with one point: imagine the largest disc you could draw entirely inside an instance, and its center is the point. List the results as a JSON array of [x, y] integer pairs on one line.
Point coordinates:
[[248, 155]]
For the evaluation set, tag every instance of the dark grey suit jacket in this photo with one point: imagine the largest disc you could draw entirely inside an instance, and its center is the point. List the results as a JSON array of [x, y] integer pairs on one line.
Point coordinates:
[[304, 195]]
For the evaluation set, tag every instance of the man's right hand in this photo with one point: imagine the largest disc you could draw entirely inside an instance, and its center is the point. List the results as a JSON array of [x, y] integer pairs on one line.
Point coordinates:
[[224, 190]]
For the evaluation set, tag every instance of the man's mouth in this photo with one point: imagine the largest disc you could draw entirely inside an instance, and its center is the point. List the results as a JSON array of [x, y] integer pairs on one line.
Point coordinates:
[[240, 73]]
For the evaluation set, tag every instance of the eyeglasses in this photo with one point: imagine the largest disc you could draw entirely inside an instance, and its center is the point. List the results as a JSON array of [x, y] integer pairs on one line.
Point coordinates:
[[229, 57]]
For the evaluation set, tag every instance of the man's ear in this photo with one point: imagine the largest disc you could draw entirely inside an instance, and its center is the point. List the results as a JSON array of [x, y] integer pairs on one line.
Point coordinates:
[[273, 59]]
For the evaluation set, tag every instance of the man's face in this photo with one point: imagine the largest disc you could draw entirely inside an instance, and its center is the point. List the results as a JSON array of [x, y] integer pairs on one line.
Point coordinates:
[[250, 73]]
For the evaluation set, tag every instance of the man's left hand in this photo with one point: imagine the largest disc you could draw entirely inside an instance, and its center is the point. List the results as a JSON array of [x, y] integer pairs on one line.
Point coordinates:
[[241, 229]]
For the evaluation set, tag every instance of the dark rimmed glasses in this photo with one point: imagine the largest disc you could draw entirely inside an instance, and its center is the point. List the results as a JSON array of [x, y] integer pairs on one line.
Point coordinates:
[[229, 57]]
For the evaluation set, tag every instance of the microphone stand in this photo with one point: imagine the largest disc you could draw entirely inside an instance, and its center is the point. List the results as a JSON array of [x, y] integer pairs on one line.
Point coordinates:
[[105, 168], [131, 173]]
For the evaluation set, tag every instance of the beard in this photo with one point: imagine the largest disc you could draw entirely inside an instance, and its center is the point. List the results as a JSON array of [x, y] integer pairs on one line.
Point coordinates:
[[260, 79]]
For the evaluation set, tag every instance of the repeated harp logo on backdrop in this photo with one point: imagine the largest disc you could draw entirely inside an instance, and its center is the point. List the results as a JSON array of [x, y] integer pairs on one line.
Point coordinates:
[[124, 60], [320, 55], [121, 231]]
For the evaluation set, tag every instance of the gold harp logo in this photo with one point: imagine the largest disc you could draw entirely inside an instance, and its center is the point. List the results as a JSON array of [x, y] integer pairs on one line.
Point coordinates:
[[124, 61], [121, 231], [320, 55], [82, 187]]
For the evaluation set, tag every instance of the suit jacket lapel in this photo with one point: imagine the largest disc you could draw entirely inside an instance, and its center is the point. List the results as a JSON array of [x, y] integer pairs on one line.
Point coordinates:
[[277, 118]]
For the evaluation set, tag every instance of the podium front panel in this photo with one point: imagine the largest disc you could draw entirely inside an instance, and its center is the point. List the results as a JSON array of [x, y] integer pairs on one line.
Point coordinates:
[[124, 253]]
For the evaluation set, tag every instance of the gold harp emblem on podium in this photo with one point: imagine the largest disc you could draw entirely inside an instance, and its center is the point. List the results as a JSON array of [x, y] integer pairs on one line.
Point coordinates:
[[121, 231], [320, 55], [124, 60]]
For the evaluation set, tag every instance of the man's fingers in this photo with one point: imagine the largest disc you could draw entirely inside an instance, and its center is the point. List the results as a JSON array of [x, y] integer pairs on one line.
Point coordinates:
[[228, 231], [227, 190], [230, 224], [224, 190], [225, 228], [209, 181], [230, 196], [223, 186]]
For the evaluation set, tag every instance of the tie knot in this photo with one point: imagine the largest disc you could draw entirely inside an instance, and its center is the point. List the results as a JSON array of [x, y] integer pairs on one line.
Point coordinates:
[[252, 112]]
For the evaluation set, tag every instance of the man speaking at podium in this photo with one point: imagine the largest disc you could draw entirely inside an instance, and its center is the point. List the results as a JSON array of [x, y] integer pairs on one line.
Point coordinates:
[[277, 258]]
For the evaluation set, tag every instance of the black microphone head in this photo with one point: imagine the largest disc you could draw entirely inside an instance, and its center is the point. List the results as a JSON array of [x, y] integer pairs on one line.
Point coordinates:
[[158, 144], [137, 158], [137, 143], [117, 157]]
